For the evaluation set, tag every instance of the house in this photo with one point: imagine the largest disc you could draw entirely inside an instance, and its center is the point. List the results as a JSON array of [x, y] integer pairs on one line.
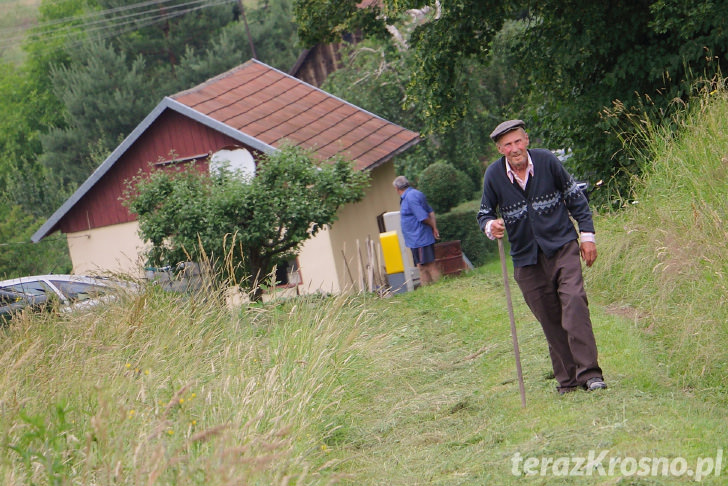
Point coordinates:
[[249, 110]]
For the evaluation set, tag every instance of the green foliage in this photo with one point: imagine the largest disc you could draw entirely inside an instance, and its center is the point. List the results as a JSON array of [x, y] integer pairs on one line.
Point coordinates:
[[274, 33], [104, 100], [461, 224], [26, 109], [380, 73], [19, 135], [243, 227], [325, 21], [19, 256], [579, 76], [163, 41], [46, 445], [107, 87], [444, 185]]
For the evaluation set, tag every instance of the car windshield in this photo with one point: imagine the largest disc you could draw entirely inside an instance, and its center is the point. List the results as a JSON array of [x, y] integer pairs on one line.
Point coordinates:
[[33, 287], [80, 290]]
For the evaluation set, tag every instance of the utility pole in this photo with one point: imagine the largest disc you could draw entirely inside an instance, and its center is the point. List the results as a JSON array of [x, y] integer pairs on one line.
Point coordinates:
[[247, 29]]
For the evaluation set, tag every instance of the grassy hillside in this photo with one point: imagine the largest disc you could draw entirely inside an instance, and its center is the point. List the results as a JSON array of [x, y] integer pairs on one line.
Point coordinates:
[[162, 389], [664, 260]]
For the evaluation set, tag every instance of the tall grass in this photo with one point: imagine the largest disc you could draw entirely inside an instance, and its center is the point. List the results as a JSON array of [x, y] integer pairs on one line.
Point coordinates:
[[666, 255], [420, 388], [165, 389], [18, 15]]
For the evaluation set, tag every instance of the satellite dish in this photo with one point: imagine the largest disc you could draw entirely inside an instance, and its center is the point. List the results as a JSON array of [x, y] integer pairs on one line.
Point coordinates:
[[236, 160]]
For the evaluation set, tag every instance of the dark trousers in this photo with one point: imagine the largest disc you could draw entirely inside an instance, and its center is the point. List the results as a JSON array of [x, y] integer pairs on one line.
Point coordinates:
[[554, 291]]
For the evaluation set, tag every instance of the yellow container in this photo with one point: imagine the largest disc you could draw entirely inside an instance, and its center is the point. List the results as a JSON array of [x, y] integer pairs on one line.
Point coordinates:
[[392, 254]]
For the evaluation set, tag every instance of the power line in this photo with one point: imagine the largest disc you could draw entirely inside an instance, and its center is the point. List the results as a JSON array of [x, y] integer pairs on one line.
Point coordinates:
[[70, 27], [144, 18], [45, 240], [78, 18]]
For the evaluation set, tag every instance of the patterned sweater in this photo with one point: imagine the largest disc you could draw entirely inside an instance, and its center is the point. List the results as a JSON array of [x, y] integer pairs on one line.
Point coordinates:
[[539, 216]]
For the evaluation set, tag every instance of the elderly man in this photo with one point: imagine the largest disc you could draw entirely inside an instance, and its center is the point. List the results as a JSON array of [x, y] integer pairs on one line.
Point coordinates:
[[535, 197], [419, 229]]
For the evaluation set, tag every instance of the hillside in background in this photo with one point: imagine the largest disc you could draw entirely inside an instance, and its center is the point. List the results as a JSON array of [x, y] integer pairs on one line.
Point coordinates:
[[17, 16]]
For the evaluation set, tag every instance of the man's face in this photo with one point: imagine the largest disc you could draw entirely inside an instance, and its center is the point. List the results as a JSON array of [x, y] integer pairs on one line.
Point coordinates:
[[513, 145]]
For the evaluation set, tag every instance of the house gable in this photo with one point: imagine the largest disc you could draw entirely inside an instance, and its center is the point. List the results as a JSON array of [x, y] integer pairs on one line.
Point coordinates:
[[172, 137], [171, 130]]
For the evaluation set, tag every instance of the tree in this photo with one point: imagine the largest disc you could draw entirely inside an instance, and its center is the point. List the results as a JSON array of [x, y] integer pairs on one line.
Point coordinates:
[[272, 32], [104, 100], [375, 75], [19, 257], [161, 32], [326, 21], [242, 226], [107, 86], [578, 61]]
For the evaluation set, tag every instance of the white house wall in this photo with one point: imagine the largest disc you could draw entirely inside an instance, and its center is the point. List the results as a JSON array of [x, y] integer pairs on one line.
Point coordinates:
[[317, 265], [109, 249], [321, 258]]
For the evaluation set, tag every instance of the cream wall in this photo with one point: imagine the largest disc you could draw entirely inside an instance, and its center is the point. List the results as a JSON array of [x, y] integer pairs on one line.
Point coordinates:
[[316, 265], [116, 249], [359, 221], [321, 260]]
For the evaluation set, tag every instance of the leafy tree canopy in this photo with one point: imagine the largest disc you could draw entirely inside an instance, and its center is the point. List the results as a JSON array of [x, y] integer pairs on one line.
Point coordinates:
[[244, 227], [115, 76], [375, 76], [323, 21], [104, 99], [584, 65]]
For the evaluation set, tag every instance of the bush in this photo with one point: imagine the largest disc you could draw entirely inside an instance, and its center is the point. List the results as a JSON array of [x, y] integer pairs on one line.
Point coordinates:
[[460, 224], [444, 185]]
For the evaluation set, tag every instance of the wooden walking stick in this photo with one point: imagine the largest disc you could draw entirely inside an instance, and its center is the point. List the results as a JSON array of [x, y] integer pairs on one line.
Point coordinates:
[[502, 253]]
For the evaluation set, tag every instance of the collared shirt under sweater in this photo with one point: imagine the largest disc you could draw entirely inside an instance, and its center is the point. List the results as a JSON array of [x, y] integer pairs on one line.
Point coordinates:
[[537, 216]]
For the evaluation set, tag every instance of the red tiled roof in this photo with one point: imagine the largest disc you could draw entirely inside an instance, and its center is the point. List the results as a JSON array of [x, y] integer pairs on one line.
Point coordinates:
[[273, 107]]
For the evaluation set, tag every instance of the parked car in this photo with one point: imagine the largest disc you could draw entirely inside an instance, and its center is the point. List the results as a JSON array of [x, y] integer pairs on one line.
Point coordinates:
[[70, 291], [12, 302]]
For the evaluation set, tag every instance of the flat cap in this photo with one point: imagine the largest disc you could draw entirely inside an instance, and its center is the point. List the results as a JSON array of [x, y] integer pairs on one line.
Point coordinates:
[[506, 127]]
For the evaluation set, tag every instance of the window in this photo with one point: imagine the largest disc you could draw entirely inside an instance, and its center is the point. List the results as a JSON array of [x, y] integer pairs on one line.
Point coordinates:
[[287, 273], [34, 287], [79, 290]]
